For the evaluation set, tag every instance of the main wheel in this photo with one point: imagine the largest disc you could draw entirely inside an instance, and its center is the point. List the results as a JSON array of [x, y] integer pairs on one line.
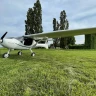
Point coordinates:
[[19, 53], [5, 55], [33, 54]]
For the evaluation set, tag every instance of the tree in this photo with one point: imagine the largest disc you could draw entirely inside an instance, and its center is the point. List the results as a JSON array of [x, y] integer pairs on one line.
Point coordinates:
[[38, 17], [33, 24], [55, 27], [90, 41], [63, 25], [29, 23], [71, 39], [54, 24]]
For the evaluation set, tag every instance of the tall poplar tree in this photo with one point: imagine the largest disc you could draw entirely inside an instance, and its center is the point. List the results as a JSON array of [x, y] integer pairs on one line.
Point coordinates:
[[29, 23], [33, 24], [38, 17], [55, 27], [65, 41], [63, 25]]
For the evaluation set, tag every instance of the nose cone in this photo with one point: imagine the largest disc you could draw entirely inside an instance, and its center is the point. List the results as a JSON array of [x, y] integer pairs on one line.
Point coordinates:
[[0, 41]]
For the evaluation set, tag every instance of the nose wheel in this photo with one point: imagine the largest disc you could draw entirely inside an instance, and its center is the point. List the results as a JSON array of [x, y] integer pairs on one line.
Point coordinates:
[[5, 55]]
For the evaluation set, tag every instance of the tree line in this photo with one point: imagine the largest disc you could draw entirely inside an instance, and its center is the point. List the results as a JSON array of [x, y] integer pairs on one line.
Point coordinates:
[[33, 25]]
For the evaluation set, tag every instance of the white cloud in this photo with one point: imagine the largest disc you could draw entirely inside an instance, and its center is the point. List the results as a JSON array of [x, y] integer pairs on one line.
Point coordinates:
[[80, 14]]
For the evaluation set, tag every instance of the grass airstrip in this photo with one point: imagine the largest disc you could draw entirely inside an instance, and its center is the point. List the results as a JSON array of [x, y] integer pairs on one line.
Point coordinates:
[[50, 73]]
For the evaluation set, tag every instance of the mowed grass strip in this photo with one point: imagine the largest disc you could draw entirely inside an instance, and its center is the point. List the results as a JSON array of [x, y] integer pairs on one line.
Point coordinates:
[[49, 73]]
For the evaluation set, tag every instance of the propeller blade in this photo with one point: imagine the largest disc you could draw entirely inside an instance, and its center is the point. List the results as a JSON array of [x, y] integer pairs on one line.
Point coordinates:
[[4, 35]]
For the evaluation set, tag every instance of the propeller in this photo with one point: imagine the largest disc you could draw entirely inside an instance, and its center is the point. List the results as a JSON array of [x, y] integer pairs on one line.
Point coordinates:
[[3, 37]]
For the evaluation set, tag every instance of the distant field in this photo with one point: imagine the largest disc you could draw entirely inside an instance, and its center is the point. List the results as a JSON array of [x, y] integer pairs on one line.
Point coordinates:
[[49, 73]]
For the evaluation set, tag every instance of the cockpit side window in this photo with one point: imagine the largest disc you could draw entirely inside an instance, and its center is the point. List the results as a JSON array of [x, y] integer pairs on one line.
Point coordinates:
[[28, 41]]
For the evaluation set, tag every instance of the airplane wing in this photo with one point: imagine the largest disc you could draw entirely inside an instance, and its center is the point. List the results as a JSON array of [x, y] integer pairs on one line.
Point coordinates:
[[63, 33]]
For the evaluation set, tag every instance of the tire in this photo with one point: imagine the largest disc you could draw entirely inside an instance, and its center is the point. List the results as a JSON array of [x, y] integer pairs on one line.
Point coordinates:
[[20, 53], [5, 55], [33, 54]]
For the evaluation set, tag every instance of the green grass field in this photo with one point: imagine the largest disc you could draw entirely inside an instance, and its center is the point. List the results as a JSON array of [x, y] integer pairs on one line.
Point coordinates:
[[49, 73]]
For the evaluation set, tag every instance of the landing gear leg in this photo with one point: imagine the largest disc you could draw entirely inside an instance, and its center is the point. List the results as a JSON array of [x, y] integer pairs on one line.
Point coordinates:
[[6, 55], [32, 53]]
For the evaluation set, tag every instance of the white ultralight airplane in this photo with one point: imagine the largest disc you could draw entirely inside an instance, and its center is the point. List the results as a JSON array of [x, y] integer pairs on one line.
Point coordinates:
[[31, 41]]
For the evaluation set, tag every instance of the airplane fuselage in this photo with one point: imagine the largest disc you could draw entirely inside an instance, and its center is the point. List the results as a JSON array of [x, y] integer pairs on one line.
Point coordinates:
[[16, 44]]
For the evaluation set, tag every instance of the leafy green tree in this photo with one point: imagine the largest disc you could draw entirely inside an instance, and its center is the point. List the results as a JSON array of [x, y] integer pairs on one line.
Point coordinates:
[[54, 24], [64, 25], [55, 27], [63, 20], [90, 41], [33, 24], [71, 39], [38, 17], [29, 23]]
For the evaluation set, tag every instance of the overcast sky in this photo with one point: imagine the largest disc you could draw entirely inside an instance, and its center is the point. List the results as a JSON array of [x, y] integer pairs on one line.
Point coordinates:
[[80, 14]]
